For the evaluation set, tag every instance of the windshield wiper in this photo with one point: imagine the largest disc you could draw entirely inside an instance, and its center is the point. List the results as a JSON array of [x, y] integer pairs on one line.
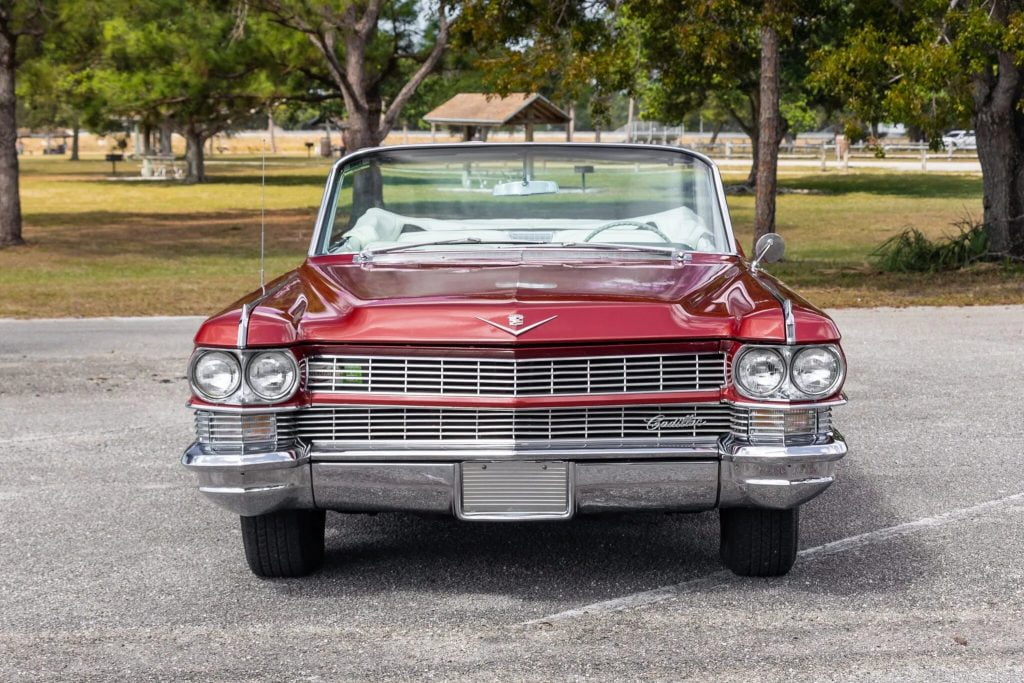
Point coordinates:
[[367, 254]]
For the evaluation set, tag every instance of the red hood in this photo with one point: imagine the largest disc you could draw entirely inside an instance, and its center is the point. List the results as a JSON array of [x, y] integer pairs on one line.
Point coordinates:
[[332, 299]]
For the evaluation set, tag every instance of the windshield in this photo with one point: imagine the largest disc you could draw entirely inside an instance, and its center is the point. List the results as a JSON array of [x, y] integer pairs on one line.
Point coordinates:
[[515, 196]]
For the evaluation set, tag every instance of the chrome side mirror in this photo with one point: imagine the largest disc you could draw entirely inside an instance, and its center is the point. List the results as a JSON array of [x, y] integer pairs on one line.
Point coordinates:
[[768, 249]]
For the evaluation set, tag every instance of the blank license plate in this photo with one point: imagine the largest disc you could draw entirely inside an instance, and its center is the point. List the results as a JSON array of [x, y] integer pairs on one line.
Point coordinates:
[[515, 490]]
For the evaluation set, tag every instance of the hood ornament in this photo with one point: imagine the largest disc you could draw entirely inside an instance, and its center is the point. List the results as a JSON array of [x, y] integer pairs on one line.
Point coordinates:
[[515, 320]]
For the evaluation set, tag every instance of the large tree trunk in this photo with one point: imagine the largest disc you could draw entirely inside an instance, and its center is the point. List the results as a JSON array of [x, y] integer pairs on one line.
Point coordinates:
[[755, 151], [165, 139], [10, 198], [76, 130], [715, 132], [194, 160], [750, 127], [770, 133], [999, 129], [364, 127]]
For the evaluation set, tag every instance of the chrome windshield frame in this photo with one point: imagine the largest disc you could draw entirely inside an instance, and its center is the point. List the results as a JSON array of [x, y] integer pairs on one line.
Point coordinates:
[[336, 168]]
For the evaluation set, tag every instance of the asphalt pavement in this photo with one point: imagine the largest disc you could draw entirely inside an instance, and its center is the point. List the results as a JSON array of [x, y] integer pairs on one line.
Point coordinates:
[[112, 566]]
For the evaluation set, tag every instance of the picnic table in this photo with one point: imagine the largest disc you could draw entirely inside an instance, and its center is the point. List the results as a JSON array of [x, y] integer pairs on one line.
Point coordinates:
[[161, 166]]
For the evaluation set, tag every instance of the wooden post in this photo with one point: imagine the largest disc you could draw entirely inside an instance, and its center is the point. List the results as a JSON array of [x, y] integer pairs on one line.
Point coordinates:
[[924, 158], [528, 131], [570, 127], [433, 132]]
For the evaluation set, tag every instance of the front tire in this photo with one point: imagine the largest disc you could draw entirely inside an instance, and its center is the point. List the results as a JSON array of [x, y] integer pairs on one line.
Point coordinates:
[[286, 543], [759, 542]]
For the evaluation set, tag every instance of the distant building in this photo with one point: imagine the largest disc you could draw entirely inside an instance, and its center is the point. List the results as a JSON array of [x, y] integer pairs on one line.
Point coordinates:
[[478, 113]]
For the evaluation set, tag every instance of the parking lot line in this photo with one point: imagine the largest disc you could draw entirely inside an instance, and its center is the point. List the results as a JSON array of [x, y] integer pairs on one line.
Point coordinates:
[[663, 593]]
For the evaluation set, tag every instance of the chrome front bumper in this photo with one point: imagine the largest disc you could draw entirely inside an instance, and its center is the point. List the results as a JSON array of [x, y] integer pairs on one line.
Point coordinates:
[[736, 476]]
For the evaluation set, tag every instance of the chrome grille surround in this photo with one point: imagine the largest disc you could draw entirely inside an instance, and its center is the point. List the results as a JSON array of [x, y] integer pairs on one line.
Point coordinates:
[[366, 425], [552, 376], [782, 426], [242, 433]]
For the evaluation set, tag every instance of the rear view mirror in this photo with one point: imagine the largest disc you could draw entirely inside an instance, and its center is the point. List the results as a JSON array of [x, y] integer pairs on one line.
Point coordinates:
[[525, 187]]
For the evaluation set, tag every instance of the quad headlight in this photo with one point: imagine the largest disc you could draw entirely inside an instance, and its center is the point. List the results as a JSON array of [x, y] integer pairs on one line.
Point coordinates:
[[816, 370], [216, 375], [760, 371], [245, 377], [271, 375], [788, 372]]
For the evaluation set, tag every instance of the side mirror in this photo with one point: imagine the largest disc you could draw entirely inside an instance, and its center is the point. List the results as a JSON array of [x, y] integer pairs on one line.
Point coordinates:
[[768, 249]]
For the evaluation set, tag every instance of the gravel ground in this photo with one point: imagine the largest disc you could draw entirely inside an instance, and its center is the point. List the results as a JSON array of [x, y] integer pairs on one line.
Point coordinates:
[[113, 567]]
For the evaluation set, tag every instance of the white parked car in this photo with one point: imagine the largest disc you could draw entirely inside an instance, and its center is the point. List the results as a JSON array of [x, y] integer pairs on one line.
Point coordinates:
[[959, 139]]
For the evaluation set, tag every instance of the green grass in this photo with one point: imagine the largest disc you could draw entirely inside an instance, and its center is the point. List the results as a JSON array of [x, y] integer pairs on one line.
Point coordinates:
[[122, 247]]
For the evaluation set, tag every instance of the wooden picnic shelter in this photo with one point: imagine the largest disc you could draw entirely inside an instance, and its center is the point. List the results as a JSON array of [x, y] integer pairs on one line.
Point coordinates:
[[478, 113]]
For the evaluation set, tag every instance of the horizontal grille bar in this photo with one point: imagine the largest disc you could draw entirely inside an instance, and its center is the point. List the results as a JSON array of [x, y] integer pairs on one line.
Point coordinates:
[[690, 422], [365, 425], [514, 376]]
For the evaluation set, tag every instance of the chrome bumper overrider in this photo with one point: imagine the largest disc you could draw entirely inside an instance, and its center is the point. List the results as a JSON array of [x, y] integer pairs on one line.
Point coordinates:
[[737, 475]]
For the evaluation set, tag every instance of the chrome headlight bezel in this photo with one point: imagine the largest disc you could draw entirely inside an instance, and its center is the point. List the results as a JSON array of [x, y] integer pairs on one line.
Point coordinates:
[[194, 366], [290, 388], [787, 389], [243, 394]]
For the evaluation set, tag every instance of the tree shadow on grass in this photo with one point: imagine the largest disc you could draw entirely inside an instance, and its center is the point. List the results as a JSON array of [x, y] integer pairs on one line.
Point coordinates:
[[924, 185], [169, 235]]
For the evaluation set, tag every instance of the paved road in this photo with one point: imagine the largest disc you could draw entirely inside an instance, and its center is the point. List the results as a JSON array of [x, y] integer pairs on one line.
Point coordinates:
[[113, 567]]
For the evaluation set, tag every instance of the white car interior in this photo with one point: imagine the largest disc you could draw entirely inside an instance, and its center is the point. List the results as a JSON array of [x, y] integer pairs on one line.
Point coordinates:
[[379, 228]]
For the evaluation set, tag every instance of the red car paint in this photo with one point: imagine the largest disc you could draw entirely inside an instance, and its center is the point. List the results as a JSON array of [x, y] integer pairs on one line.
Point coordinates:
[[331, 299], [643, 306]]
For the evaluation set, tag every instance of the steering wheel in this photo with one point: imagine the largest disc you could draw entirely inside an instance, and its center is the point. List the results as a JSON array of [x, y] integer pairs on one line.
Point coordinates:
[[649, 227]]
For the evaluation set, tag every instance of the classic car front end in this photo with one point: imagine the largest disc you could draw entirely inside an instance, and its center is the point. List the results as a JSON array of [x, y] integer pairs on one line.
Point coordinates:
[[477, 332]]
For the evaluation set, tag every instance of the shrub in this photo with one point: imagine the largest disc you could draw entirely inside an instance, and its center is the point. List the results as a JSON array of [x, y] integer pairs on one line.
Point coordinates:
[[911, 251]]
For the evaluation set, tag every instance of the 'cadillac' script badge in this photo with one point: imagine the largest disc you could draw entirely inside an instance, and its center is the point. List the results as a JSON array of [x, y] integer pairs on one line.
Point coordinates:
[[516, 320], [660, 423]]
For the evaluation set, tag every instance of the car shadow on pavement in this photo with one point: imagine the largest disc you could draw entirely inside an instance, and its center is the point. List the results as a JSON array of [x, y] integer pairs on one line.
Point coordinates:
[[596, 558]]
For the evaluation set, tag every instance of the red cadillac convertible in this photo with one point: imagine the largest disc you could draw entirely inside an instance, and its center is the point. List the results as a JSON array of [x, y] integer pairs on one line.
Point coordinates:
[[519, 332]]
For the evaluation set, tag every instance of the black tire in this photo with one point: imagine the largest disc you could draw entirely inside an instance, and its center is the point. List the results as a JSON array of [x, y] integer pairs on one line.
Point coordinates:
[[282, 544], [757, 542]]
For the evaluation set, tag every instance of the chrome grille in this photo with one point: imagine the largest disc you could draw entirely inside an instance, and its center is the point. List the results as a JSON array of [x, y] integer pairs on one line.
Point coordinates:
[[234, 433], [769, 426], [516, 376], [355, 424]]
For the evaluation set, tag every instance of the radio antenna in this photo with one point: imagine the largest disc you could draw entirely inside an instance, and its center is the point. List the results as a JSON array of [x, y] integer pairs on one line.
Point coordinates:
[[263, 214]]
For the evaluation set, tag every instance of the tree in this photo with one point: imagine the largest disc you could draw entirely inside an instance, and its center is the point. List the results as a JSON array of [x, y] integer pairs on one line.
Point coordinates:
[[938, 64], [22, 23], [201, 70], [55, 87], [769, 124], [372, 52]]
